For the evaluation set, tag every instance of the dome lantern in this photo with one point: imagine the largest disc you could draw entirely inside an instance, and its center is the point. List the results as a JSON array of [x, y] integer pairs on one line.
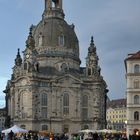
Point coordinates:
[[53, 8]]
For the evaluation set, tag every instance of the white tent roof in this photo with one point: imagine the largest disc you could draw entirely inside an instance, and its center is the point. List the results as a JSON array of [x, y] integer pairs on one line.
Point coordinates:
[[15, 129], [87, 131], [107, 131]]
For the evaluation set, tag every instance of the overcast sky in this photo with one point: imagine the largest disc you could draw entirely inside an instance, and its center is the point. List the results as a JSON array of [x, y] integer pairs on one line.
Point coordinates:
[[115, 25]]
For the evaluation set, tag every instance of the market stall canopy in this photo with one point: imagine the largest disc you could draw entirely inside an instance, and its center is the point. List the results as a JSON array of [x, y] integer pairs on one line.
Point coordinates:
[[87, 131], [107, 131], [15, 129]]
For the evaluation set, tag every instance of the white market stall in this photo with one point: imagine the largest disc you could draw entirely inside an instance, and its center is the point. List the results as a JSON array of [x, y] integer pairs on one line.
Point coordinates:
[[107, 131], [87, 131], [15, 129]]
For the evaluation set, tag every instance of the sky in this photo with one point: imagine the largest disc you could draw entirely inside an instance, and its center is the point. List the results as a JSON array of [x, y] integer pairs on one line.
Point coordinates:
[[115, 25]]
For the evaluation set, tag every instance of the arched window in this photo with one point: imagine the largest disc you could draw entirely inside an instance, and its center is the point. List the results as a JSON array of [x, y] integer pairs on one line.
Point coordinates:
[[85, 127], [136, 99], [65, 104], [23, 126], [65, 128], [44, 127], [136, 116], [64, 67], [25, 66], [89, 71], [44, 105], [136, 84], [61, 40], [84, 107], [136, 68], [40, 39], [44, 99]]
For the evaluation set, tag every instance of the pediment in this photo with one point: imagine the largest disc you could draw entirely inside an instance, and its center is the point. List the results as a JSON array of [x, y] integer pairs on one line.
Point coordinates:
[[67, 79], [22, 81]]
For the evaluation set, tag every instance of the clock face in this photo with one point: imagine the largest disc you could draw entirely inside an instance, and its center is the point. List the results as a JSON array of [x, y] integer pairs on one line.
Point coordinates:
[[27, 55]]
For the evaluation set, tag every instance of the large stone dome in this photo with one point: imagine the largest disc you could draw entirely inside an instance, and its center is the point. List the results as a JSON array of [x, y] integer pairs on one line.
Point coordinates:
[[54, 37], [53, 29]]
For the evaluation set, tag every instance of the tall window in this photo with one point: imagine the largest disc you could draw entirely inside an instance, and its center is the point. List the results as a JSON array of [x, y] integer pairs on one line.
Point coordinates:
[[44, 100], [89, 71], [136, 68], [136, 99], [136, 116], [66, 104], [40, 39], [44, 104], [136, 84], [25, 66], [84, 107], [61, 40]]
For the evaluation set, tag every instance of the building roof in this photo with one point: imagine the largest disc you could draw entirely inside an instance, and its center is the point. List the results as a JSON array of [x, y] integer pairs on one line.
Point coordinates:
[[133, 56], [116, 103]]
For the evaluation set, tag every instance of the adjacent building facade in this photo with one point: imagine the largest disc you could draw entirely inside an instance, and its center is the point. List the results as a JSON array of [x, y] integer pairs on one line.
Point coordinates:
[[132, 66], [48, 89], [116, 114]]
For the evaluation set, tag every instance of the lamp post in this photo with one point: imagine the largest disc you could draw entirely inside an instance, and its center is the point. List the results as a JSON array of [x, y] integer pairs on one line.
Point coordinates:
[[50, 128], [125, 122]]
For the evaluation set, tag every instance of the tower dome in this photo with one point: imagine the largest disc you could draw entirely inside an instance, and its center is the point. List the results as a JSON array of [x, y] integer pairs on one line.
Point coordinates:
[[54, 37]]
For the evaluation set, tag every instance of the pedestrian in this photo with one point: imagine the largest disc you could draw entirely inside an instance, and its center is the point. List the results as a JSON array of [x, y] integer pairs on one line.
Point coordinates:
[[124, 137], [11, 135]]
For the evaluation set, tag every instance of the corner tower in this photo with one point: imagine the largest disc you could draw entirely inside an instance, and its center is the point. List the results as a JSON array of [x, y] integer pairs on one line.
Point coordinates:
[[92, 68]]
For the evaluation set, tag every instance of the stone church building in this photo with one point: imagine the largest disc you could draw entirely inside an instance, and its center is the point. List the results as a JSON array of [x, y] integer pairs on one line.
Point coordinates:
[[48, 89]]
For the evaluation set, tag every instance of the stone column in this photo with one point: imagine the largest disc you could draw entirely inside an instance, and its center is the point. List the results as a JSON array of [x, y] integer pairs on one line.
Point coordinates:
[[48, 4], [60, 4]]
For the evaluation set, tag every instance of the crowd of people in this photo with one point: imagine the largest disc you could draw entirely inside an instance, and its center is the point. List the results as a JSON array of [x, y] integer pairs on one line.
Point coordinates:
[[102, 136], [66, 136]]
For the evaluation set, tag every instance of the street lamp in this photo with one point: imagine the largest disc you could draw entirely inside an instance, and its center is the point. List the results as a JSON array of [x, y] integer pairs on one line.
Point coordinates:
[[125, 122], [50, 128]]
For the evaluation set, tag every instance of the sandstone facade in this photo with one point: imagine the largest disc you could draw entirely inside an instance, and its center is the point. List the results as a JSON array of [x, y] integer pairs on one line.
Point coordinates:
[[48, 89]]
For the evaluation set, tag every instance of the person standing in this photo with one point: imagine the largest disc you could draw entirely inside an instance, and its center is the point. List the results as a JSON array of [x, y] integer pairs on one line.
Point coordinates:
[[11, 135]]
